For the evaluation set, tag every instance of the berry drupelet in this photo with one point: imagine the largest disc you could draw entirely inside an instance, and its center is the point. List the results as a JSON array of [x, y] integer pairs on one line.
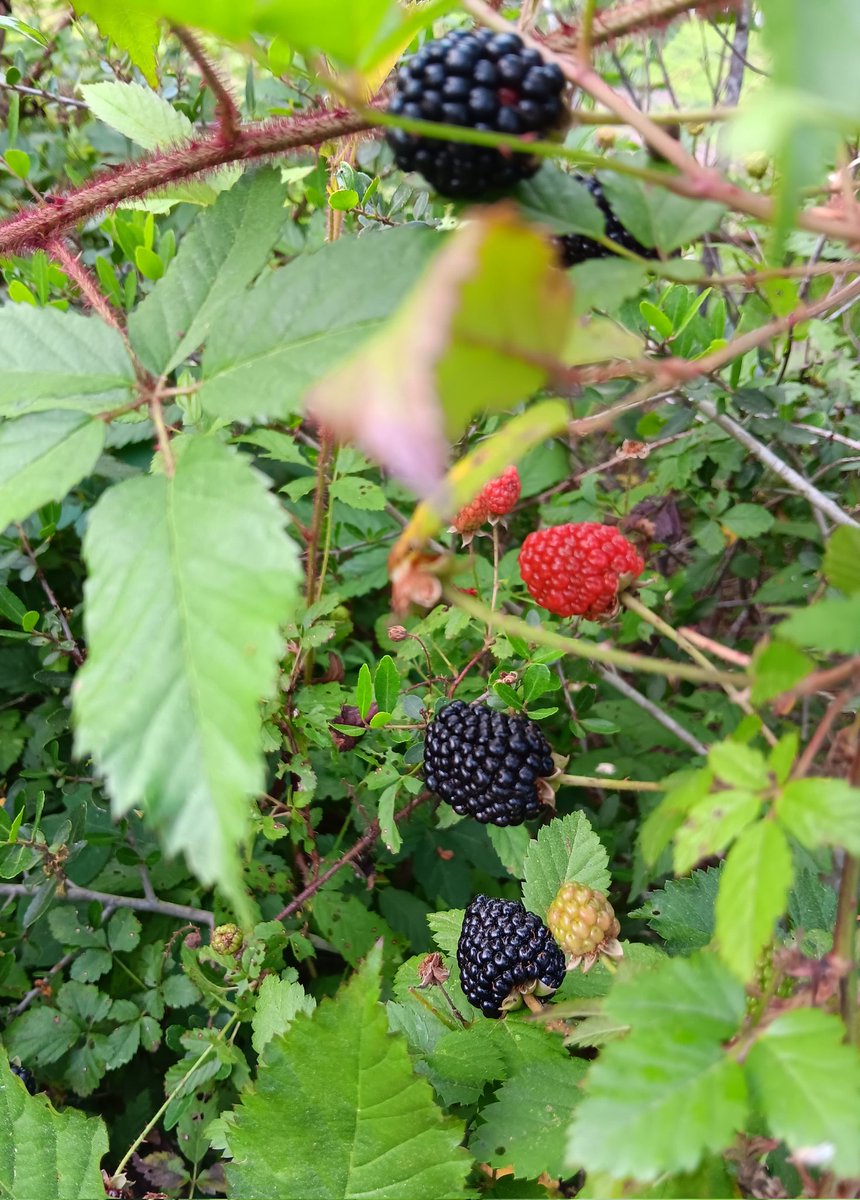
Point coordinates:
[[480, 80], [503, 952], [486, 764], [578, 569], [25, 1076], [576, 248]]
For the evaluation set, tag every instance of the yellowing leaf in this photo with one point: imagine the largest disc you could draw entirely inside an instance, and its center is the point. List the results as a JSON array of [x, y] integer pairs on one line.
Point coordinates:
[[479, 333]]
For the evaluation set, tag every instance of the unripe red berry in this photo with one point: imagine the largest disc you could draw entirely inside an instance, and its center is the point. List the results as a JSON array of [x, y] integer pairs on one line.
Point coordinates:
[[578, 570]]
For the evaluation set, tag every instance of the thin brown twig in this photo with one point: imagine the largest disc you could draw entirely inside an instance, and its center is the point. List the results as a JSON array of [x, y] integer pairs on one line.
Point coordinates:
[[831, 715], [66, 890], [364, 843], [74, 652]]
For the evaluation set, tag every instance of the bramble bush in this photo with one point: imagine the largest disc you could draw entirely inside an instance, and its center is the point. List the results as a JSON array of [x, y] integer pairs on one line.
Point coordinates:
[[372, 368]]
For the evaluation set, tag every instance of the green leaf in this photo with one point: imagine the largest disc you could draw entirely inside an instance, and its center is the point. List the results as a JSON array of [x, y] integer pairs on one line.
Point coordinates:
[[747, 520], [710, 826], [605, 283], [351, 927], [18, 162], [184, 743], [682, 912], [445, 927], [91, 965], [807, 1083], [54, 359], [656, 1103], [656, 216], [356, 492], [753, 889], [738, 765], [821, 812], [560, 202], [132, 26], [336, 1111], [830, 625], [364, 691], [270, 344], [45, 1154], [386, 684], [475, 355], [39, 1036], [222, 252], [694, 998], [511, 843], [688, 788], [10, 606], [524, 1126], [42, 457], [123, 931], [466, 1056], [565, 851], [842, 559], [388, 830], [279, 1001], [776, 668]]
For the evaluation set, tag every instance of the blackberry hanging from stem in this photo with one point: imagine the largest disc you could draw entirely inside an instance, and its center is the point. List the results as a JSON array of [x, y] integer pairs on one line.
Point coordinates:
[[479, 80], [488, 765], [505, 953]]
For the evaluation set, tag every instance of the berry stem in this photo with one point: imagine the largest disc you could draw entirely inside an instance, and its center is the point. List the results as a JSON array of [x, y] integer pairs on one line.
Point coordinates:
[[635, 605], [592, 651], [609, 785], [532, 1003], [229, 118]]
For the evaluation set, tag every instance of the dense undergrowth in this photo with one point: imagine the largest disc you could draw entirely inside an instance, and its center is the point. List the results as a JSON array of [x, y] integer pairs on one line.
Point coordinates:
[[251, 374]]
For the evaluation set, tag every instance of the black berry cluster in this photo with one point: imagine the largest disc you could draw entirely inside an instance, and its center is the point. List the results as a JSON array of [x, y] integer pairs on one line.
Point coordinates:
[[486, 764], [503, 949], [574, 248], [480, 80]]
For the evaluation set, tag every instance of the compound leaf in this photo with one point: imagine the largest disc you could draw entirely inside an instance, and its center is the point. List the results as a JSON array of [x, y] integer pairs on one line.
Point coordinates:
[[565, 851], [337, 1112], [218, 257], [190, 576], [807, 1082], [655, 1103], [525, 1125], [753, 889]]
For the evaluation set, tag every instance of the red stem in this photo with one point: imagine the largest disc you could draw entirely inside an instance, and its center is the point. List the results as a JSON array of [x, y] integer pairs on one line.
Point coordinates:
[[31, 229]]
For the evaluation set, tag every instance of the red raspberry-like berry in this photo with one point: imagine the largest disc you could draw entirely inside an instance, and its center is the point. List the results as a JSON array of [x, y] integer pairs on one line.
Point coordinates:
[[500, 495], [471, 517], [578, 570]]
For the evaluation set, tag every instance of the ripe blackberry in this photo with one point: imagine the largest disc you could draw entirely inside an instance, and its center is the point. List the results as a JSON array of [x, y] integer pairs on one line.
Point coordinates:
[[480, 80], [578, 569], [575, 248], [584, 924], [486, 764], [25, 1076], [503, 952]]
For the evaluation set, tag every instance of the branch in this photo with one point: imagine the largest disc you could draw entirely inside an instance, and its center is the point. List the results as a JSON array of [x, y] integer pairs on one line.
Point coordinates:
[[641, 14], [653, 710], [75, 653], [364, 843], [87, 286], [30, 229], [228, 114], [70, 891], [781, 469]]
